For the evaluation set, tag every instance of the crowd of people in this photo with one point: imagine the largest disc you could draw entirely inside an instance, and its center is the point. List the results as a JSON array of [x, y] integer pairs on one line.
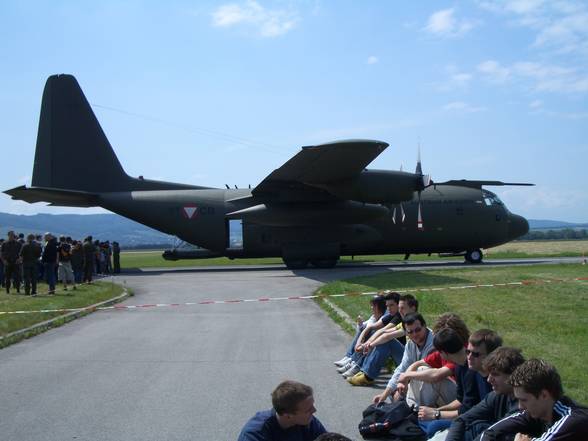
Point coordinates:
[[27, 260], [460, 386]]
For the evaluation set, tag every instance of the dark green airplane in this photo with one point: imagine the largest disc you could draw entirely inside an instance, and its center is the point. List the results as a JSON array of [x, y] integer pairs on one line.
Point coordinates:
[[321, 204]]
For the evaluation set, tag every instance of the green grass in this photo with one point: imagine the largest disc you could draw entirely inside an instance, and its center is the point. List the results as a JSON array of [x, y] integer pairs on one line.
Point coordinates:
[[85, 295], [545, 319], [555, 248]]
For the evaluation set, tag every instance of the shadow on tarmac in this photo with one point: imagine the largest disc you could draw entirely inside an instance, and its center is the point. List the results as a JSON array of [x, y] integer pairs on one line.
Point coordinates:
[[344, 270]]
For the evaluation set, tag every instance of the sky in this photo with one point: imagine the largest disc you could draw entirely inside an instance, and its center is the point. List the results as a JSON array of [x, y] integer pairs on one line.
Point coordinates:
[[214, 93]]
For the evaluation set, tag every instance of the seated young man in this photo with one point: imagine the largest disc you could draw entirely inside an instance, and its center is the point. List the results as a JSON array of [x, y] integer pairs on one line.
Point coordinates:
[[470, 377], [379, 306], [291, 419], [431, 381], [420, 345], [386, 342], [546, 413], [499, 403]]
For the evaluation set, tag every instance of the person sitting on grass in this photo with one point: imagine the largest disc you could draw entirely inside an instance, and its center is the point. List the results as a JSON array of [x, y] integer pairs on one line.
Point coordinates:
[[431, 381], [378, 307], [420, 345], [546, 413], [499, 403], [389, 341], [470, 377]]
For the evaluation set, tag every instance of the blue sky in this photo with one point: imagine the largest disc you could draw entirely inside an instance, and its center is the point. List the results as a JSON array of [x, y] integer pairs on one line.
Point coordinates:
[[224, 92]]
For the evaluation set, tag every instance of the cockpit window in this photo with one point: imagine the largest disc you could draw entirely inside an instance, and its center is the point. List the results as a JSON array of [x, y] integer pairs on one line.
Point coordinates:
[[491, 199]]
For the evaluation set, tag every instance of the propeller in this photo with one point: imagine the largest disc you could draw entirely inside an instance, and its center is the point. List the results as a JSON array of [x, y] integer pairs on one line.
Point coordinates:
[[423, 182]]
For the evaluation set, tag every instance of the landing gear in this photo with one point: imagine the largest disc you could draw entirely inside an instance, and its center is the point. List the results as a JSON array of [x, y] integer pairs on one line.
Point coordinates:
[[296, 263], [474, 256], [324, 263]]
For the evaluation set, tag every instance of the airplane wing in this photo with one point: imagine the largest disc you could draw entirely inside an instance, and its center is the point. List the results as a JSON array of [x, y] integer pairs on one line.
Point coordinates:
[[318, 165], [478, 184], [65, 198]]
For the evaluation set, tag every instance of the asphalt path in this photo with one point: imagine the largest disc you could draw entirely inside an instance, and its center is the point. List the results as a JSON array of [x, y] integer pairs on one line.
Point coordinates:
[[183, 373]]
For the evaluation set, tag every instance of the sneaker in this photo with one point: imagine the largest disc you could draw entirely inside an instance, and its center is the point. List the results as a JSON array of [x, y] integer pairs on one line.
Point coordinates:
[[346, 367], [342, 362], [353, 370], [360, 379]]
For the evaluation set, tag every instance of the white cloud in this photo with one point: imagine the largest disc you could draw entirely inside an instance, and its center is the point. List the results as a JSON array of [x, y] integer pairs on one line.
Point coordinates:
[[268, 23], [444, 24], [561, 26], [460, 106], [494, 71], [372, 60], [455, 79], [536, 104]]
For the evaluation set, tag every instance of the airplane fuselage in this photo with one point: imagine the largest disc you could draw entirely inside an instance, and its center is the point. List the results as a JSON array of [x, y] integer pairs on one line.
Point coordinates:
[[455, 219]]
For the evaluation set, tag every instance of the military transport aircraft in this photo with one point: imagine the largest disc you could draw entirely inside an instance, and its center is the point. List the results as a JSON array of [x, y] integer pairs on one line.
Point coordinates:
[[321, 204]]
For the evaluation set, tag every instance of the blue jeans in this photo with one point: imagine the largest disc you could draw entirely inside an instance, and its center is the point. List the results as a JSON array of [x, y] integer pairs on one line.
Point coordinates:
[[376, 359], [433, 426], [49, 269], [351, 349]]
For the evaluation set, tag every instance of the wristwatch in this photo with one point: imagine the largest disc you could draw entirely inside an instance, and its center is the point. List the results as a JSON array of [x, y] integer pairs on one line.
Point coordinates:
[[437, 414]]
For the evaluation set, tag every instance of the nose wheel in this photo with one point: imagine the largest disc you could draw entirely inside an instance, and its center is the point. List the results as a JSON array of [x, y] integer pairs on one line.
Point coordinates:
[[474, 256]]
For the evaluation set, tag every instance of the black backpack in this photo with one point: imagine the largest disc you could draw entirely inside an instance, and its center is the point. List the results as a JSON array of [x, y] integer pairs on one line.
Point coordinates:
[[391, 421]]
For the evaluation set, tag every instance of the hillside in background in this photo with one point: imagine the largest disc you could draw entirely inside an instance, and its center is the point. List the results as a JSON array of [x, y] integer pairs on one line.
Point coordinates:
[[101, 226], [133, 234]]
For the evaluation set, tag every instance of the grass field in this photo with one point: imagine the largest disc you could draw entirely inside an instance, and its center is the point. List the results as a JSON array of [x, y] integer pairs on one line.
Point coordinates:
[[547, 316], [554, 248], [84, 295]]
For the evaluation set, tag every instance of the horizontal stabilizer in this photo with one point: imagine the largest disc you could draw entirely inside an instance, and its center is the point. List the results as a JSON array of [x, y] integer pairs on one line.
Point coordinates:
[[65, 198], [478, 184]]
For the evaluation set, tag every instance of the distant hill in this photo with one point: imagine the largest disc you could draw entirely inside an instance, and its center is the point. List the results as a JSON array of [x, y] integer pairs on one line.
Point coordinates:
[[101, 226], [133, 234], [538, 224]]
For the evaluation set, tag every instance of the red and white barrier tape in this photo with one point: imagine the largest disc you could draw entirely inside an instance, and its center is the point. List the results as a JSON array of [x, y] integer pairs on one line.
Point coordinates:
[[273, 299]]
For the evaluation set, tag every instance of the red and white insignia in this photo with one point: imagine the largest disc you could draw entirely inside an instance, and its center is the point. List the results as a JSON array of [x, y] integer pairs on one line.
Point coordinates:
[[189, 211]]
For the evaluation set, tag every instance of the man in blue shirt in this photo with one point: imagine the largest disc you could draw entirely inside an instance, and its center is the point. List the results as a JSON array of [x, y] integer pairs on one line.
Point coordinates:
[[291, 419]]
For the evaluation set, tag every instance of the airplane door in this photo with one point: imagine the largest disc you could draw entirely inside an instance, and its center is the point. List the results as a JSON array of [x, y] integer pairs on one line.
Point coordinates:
[[235, 234]]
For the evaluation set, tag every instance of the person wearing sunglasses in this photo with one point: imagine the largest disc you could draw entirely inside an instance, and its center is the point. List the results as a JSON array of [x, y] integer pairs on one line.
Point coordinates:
[[418, 346], [498, 404], [470, 378]]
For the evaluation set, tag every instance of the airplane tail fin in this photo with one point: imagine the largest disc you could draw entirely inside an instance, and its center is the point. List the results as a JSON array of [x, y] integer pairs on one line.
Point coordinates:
[[72, 150]]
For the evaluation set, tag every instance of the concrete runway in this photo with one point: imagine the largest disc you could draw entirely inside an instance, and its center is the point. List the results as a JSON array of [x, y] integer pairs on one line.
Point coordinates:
[[184, 373]]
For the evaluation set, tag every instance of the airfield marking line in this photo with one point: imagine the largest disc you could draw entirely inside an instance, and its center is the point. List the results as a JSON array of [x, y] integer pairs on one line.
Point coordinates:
[[307, 297]]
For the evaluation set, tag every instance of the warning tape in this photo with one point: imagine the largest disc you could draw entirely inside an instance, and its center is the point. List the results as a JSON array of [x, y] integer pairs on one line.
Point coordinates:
[[273, 299]]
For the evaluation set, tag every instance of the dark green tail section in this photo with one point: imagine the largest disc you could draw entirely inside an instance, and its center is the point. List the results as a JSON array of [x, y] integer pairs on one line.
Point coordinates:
[[72, 150]]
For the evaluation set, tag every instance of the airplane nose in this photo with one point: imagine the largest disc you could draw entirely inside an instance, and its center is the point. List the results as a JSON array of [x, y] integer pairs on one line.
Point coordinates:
[[517, 226]]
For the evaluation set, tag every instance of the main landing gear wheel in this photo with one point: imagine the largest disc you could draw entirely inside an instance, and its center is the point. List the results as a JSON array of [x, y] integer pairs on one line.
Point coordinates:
[[296, 263], [324, 263], [474, 256]]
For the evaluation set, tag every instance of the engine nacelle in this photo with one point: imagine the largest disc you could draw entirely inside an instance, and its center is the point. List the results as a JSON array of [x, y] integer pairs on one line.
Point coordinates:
[[377, 186]]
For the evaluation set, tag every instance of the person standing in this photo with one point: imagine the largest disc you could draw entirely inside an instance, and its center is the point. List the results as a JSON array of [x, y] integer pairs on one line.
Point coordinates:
[[77, 261], [64, 259], [49, 258], [10, 252], [89, 256], [116, 257], [30, 254]]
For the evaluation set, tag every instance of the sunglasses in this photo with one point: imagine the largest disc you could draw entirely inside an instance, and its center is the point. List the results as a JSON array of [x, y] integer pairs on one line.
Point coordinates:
[[414, 331], [474, 354]]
